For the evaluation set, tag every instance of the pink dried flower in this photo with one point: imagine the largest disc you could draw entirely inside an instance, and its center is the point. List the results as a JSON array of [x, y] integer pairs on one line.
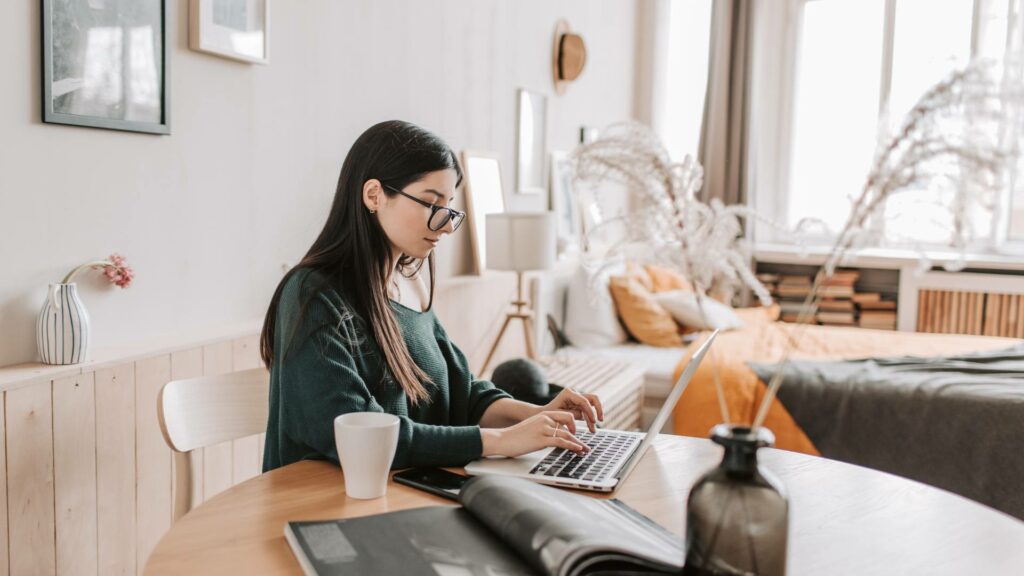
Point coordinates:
[[117, 271], [115, 268]]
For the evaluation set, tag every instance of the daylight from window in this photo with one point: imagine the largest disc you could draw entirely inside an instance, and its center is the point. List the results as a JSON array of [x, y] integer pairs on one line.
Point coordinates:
[[835, 108], [687, 76], [845, 102]]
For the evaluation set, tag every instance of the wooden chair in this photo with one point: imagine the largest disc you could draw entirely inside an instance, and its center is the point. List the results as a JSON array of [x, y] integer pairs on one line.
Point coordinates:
[[205, 411]]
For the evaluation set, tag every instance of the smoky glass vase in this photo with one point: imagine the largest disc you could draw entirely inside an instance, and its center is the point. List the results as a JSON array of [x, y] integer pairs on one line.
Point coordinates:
[[737, 515]]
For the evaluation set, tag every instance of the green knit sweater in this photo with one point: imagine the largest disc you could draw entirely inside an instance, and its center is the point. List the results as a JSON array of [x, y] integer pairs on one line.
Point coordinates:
[[332, 365]]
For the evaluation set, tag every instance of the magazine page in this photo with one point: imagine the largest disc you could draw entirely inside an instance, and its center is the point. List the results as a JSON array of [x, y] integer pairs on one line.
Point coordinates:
[[432, 541], [555, 530]]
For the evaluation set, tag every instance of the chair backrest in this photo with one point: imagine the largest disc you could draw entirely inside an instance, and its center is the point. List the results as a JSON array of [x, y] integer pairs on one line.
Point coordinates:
[[205, 411]]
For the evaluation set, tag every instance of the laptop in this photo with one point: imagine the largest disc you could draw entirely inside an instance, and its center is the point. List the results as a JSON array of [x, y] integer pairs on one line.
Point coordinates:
[[613, 453]]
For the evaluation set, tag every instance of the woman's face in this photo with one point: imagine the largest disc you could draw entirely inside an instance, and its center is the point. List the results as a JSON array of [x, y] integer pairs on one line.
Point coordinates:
[[404, 220]]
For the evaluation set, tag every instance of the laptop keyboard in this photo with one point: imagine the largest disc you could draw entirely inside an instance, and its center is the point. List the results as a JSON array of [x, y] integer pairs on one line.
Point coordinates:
[[607, 450]]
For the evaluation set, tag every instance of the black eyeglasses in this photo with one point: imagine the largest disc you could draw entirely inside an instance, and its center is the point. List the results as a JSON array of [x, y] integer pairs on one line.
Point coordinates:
[[439, 215]]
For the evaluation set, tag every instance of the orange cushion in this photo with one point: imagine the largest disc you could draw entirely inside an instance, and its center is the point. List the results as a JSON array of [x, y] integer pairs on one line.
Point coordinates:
[[665, 279], [644, 318]]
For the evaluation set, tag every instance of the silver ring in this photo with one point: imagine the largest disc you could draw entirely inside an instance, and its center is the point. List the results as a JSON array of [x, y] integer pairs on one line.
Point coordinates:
[[557, 428]]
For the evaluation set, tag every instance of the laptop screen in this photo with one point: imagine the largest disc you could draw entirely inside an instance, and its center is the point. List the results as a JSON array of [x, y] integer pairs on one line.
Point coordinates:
[[670, 403]]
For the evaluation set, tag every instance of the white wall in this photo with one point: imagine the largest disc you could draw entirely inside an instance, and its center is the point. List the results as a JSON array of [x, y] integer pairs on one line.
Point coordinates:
[[207, 215]]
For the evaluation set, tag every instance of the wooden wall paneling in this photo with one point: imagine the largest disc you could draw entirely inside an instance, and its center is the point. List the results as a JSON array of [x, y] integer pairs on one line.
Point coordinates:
[[152, 457], [1000, 314], [247, 459], [994, 311], [954, 312], [924, 299], [1004, 301], [944, 312], [969, 312], [1020, 316], [962, 308], [115, 470], [31, 526], [950, 316], [933, 310], [218, 459], [189, 364], [936, 310], [1011, 315], [4, 555], [979, 313], [990, 304], [74, 474]]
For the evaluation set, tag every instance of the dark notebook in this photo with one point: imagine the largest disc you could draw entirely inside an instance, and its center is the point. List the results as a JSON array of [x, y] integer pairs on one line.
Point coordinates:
[[505, 526]]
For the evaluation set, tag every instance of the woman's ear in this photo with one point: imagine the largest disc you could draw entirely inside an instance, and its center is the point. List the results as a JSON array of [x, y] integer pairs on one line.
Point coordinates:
[[372, 194]]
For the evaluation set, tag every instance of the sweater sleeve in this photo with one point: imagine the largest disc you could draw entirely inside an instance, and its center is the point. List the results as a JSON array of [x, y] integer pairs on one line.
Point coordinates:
[[320, 380], [482, 393]]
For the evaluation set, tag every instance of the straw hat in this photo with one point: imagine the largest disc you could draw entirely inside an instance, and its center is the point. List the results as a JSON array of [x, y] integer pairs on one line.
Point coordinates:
[[569, 56]]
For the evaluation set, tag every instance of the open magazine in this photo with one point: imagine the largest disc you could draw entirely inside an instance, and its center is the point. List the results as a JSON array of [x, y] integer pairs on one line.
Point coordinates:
[[505, 526]]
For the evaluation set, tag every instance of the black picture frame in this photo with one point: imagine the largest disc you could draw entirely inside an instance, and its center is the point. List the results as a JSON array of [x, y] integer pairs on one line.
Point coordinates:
[[106, 44]]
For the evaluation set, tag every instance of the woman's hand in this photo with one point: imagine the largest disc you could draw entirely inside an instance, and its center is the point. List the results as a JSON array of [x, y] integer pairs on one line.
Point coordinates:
[[585, 407], [544, 430]]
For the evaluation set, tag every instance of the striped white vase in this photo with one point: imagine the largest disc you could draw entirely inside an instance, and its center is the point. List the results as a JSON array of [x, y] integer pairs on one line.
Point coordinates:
[[62, 332]]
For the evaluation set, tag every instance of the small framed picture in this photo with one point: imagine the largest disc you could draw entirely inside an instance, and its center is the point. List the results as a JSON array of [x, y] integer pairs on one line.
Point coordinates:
[[105, 64], [531, 139], [482, 188], [235, 29], [565, 203]]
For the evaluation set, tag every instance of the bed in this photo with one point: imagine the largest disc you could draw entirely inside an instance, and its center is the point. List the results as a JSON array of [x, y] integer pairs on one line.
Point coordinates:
[[762, 342]]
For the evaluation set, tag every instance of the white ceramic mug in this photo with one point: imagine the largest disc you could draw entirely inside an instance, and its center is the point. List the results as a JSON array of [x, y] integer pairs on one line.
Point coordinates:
[[366, 443]]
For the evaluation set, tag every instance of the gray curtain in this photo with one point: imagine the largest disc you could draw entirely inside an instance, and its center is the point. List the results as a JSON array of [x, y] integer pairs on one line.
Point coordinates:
[[723, 141]]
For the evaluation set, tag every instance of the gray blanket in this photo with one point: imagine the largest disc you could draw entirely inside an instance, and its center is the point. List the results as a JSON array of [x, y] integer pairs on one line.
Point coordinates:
[[956, 422]]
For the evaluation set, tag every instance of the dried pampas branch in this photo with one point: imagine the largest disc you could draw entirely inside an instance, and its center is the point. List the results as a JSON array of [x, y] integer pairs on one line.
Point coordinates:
[[960, 136], [666, 224]]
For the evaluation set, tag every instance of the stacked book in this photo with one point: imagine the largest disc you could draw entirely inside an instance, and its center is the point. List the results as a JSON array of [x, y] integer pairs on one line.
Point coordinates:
[[875, 312], [769, 280], [836, 306], [837, 312], [790, 291]]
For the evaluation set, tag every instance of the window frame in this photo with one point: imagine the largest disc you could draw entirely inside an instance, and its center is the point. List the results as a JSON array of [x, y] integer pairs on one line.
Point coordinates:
[[777, 39]]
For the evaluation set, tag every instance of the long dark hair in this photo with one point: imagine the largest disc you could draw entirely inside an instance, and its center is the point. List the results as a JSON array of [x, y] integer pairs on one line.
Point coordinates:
[[352, 251]]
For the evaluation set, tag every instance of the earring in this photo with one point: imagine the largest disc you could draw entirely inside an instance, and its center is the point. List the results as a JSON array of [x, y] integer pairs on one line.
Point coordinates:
[[373, 211]]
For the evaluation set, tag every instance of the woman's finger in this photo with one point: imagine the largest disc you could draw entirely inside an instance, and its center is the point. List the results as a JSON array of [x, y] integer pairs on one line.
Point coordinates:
[[564, 418], [569, 442], [581, 404], [596, 402]]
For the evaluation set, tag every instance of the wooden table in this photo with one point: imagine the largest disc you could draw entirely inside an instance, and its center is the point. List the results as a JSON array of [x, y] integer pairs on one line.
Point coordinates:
[[844, 519]]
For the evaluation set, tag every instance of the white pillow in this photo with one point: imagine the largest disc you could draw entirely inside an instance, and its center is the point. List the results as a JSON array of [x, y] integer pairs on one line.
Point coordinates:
[[682, 305], [590, 316]]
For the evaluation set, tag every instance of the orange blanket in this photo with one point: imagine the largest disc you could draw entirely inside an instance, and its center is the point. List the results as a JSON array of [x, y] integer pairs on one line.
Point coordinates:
[[764, 341]]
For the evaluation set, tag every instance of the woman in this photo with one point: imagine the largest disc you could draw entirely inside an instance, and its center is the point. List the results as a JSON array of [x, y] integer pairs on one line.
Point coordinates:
[[350, 328]]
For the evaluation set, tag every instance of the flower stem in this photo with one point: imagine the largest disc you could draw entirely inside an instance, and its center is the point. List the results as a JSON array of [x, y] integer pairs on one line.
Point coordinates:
[[71, 275]]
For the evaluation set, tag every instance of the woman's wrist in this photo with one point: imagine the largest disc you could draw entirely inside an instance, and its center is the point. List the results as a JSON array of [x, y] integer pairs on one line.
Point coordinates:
[[507, 412], [490, 439]]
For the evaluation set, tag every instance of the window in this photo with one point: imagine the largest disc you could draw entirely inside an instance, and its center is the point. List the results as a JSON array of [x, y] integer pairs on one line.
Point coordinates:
[[836, 94], [686, 74], [856, 67]]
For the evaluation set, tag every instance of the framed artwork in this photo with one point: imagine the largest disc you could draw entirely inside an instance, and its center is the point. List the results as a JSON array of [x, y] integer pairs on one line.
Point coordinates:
[[531, 136], [565, 203], [235, 29], [482, 186], [106, 64]]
